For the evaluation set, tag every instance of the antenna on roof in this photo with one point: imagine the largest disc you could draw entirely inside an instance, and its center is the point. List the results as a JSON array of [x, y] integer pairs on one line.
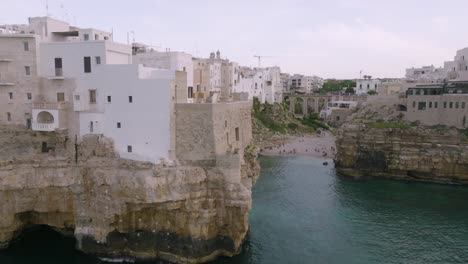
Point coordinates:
[[47, 7]]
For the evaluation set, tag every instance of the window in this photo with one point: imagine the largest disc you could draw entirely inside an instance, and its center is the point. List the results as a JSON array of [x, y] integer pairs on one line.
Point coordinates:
[[98, 59], [96, 36], [457, 105], [109, 99], [368, 86], [58, 66], [92, 96], [436, 104], [225, 123], [60, 97], [10, 95], [445, 104], [77, 97], [86, 37], [27, 70], [414, 104], [422, 106], [463, 105], [130, 99], [190, 92], [91, 127], [129, 149], [87, 64], [29, 96], [26, 46], [237, 134], [184, 69], [119, 125], [451, 104], [430, 104], [375, 86], [8, 116]]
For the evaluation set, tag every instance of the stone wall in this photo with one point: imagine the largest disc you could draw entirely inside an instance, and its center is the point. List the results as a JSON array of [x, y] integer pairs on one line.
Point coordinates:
[[446, 109], [204, 131], [415, 153]]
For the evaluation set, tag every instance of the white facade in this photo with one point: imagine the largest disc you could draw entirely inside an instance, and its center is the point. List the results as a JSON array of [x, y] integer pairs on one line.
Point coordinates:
[[458, 68], [363, 86], [304, 84], [425, 74], [78, 79], [134, 109], [175, 61]]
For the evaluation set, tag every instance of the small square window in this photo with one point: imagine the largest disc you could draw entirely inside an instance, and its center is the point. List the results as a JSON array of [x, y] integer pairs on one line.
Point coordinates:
[[60, 97], [119, 125], [98, 59], [109, 99], [77, 97], [129, 149], [27, 70], [130, 99], [29, 96]]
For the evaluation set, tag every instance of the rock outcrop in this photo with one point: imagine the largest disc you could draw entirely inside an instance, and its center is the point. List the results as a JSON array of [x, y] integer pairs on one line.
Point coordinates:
[[376, 142], [121, 209]]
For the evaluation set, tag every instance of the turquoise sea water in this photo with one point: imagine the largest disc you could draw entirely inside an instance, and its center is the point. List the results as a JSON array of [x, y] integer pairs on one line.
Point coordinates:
[[304, 213]]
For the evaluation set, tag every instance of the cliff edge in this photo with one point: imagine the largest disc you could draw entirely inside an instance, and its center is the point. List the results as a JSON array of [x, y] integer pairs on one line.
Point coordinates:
[[122, 209], [375, 141]]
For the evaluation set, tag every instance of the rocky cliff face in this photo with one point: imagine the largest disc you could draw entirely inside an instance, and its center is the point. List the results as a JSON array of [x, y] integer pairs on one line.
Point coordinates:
[[118, 208], [370, 146]]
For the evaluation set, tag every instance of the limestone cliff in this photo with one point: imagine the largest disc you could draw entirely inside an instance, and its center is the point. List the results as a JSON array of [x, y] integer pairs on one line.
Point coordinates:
[[378, 143], [118, 208]]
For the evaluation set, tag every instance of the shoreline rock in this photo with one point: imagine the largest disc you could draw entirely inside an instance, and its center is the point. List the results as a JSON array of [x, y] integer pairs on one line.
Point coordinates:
[[121, 208]]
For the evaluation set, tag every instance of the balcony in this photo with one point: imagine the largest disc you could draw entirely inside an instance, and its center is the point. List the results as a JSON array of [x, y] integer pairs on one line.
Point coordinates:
[[58, 74], [43, 126], [55, 106]]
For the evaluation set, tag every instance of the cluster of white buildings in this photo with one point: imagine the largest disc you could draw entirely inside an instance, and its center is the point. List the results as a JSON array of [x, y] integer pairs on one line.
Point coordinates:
[[57, 76]]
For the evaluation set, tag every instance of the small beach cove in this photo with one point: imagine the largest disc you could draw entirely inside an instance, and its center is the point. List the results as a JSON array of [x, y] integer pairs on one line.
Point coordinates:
[[320, 145]]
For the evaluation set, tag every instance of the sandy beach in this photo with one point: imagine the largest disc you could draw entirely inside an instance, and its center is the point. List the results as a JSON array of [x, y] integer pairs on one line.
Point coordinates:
[[321, 146]]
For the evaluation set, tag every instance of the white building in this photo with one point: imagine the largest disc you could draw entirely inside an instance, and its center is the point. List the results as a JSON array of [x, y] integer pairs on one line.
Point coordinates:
[[363, 86], [79, 79], [304, 84], [426, 74], [170, 60], [265, 84], [458, 68]]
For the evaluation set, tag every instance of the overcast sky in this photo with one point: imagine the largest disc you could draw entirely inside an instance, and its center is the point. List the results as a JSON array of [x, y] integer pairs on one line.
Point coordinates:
[[333, 38]]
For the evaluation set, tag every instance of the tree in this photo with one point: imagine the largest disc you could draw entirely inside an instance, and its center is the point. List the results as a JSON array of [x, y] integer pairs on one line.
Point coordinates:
[[350, 90], [371, 92]]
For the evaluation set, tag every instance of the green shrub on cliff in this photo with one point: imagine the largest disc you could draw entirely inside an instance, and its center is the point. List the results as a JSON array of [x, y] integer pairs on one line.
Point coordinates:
[[313, 121], [293, 126], [270, 123]]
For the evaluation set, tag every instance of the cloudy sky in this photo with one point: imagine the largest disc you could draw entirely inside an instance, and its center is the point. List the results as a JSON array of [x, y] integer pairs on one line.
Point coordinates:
[[333, 38]]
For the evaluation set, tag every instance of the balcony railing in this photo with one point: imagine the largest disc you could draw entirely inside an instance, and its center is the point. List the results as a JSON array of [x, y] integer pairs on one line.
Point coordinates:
[[43, 127], [56, 106]]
